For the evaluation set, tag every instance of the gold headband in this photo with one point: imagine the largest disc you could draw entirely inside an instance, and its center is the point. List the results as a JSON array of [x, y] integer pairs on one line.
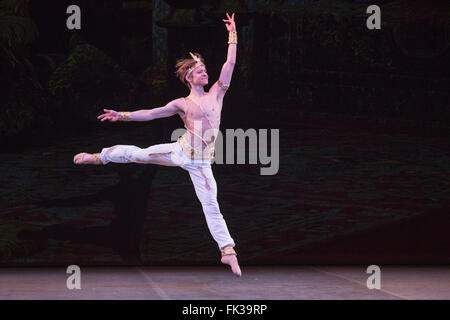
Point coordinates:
[[198, 63]]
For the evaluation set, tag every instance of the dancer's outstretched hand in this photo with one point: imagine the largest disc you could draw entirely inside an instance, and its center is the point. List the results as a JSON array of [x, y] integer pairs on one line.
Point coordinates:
[[110, 115], [229, 23]]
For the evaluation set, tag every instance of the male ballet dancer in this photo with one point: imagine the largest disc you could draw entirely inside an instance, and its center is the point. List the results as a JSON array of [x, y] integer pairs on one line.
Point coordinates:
[[194, 150]]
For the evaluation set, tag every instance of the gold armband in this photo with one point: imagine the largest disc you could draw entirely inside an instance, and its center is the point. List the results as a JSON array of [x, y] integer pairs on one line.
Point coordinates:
[[124, 116], [223, 86], [232, 37]]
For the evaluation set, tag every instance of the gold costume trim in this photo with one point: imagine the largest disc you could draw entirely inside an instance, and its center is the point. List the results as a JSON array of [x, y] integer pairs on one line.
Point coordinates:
[[124, 116], [97, 158], [228, 251], [232, 37], [194, 154]]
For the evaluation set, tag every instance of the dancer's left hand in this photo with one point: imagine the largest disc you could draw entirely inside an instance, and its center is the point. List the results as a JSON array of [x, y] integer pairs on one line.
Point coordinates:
[[229, 23]]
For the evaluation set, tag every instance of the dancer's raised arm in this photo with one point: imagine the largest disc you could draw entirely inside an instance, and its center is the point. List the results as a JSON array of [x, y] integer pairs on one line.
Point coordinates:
[[142, 115], [227, 69]]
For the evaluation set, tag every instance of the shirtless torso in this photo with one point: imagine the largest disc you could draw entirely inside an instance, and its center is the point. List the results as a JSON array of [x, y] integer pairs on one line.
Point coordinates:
[[201, 117]]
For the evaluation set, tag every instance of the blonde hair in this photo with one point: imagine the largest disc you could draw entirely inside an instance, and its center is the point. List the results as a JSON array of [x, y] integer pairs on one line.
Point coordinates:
[[182, 67]]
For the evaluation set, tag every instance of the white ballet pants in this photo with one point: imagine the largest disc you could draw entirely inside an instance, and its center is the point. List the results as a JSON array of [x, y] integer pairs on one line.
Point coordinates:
[[171, 154]]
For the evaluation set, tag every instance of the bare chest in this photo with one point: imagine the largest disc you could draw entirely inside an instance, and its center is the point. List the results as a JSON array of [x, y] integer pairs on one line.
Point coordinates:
[[206, 108]]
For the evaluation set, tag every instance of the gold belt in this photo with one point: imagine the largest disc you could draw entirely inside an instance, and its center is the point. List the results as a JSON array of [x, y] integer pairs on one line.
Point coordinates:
[[194, 154]]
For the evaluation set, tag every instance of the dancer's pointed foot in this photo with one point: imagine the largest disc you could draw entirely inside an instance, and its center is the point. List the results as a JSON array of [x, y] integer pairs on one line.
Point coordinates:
[[87, 158], [229, 258]]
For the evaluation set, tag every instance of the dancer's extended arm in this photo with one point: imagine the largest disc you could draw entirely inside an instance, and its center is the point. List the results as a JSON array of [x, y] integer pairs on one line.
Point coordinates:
[[142, 115], [223, 83]]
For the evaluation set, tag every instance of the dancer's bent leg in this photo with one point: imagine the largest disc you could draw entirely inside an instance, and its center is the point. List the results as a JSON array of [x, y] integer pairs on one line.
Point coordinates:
[[206, 189]]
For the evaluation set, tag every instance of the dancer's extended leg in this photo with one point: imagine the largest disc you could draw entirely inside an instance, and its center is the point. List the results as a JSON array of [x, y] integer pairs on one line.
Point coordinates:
[[163, 154], [206, 189]]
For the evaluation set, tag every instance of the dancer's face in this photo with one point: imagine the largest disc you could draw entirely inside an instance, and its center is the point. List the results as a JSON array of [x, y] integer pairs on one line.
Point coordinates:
[[199, 76]]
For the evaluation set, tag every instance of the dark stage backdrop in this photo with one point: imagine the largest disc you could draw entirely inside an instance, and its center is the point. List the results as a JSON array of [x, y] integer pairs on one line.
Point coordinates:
[[363, 118]]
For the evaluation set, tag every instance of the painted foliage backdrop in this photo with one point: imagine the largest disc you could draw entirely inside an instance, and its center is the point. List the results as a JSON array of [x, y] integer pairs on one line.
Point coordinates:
[[364, 173]]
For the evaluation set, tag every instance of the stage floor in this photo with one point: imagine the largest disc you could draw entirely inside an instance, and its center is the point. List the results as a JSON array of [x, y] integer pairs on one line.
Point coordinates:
[[218, 283]]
